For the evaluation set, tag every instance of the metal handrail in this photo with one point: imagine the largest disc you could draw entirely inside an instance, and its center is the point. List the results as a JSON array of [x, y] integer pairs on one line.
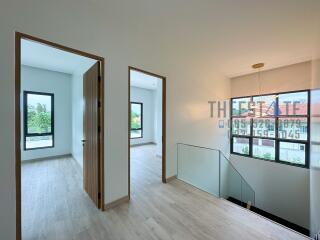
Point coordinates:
[[221, 153], [208, 148]]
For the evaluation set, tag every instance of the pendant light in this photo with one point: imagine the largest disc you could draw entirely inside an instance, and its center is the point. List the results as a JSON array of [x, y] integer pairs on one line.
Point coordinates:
[[258, 66]]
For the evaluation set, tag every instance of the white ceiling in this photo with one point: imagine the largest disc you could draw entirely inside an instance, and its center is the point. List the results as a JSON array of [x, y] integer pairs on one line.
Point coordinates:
[[142, 80], [42, 56], [226, 36]]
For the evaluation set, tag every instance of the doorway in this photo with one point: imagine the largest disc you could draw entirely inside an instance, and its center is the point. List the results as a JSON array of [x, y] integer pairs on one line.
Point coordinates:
[[44, 118], [146, 123]]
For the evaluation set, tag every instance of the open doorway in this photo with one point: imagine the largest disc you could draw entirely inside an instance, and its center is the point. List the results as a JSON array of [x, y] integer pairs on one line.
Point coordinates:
[[59, 136], [146, 128]]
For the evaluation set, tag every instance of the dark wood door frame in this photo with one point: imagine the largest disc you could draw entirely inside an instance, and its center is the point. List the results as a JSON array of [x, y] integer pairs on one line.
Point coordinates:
[[18, 37], [164, 179]]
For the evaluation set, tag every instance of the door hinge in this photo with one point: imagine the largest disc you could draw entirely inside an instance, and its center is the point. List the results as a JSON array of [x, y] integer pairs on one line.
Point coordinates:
[[99, 195], [99, 129], [99, 79], [99, 104]]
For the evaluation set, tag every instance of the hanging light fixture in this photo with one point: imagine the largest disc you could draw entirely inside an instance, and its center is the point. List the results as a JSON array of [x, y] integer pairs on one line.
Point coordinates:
[[258, 66]]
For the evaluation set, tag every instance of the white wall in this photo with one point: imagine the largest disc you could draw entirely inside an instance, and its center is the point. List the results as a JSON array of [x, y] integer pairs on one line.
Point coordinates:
[[157, 100], [281, 190], [152, 115], [77, 117], [144, 96], [105, 31], [40, 80], [191, 44], [288, 78]]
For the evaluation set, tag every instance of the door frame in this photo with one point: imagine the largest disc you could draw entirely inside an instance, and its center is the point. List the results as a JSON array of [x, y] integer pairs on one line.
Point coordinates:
[[18, 37], [164, 110]]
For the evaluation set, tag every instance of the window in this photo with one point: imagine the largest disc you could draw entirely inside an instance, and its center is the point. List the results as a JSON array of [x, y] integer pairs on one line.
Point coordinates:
[[241, 145], [293, 152], [272, 127], [136, 120], [240, 107], [38, 114], [263, 148], [241, 126], [263, 127]]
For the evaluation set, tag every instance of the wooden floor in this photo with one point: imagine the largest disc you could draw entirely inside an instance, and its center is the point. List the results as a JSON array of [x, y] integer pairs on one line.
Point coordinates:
[[55, 207]]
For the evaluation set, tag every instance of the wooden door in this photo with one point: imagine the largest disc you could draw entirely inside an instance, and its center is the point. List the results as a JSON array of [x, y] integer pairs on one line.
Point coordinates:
[[91, 133]]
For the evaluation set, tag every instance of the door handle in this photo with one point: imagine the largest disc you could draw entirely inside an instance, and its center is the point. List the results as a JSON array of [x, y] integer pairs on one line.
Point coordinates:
[[83, 140]]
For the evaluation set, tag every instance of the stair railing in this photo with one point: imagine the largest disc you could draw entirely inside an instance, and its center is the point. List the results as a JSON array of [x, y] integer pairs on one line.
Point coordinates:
[[210, 170]]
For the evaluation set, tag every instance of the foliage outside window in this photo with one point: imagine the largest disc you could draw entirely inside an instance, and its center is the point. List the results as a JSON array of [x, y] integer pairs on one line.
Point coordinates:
[[272, 127], [38, 120], [136, 120]]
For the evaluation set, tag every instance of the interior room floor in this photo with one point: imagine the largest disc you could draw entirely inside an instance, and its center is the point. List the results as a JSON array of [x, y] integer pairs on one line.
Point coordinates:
[[56, 207]]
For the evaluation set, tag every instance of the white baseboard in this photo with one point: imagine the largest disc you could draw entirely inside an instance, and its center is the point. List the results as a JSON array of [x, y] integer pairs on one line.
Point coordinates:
[[141, 144], [47, 158]]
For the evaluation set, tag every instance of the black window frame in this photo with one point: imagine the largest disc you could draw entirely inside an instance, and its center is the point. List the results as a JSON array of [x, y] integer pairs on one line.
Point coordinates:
[[25, 120], [277, 140], [141, 128]]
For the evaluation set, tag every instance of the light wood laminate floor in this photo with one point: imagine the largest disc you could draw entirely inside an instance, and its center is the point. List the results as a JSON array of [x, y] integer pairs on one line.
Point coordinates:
[[55, 207]]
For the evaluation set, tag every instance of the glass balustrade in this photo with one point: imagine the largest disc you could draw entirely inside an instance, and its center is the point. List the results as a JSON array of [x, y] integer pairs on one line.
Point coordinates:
[[209, 170]]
